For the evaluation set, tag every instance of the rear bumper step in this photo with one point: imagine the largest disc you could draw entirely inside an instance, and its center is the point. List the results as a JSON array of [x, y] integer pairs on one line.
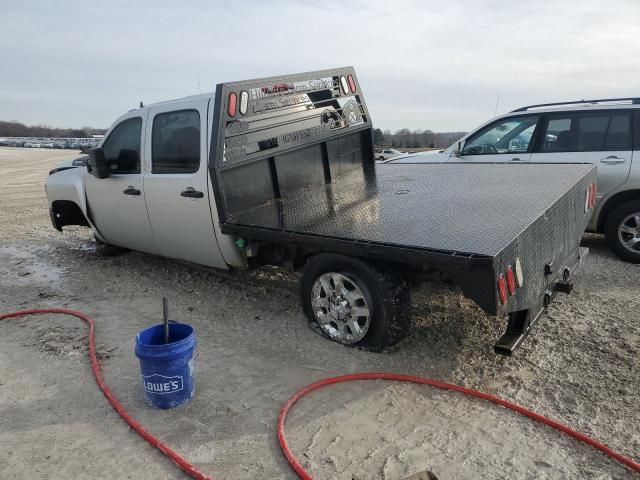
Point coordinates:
[[518, 328]]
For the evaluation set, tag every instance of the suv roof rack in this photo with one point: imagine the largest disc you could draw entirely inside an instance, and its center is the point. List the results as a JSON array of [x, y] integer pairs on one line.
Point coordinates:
[[633, 100]]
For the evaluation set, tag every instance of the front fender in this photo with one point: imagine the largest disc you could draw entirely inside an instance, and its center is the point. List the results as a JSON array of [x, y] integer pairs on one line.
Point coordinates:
[[69, 186]]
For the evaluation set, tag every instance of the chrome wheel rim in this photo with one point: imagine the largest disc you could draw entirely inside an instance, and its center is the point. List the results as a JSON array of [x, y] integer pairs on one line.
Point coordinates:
[[340, 308], [629, 232]]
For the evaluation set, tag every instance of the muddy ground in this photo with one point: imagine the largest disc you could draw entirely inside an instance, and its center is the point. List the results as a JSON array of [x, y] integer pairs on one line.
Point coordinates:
[[579, 366]]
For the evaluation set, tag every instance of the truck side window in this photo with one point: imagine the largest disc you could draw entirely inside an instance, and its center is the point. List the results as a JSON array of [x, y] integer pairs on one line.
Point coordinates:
[[122, 147], [175, 142]]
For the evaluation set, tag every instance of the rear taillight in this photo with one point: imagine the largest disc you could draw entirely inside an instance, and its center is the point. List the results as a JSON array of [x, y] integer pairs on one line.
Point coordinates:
[[502, 289], [352, 83], [511, 281], [594, 190], [232, 104]]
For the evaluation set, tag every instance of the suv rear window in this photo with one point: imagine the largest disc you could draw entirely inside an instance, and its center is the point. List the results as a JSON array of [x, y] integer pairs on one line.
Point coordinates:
[[587, 132], [175, 142]]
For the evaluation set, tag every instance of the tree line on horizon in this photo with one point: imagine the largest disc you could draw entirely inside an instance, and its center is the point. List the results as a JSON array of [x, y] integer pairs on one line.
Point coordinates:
[[17, 129], [405, 138]]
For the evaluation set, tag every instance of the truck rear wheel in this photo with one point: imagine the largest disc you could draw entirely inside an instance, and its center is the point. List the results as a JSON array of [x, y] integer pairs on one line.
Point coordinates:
[[622, 231], [355, 303]]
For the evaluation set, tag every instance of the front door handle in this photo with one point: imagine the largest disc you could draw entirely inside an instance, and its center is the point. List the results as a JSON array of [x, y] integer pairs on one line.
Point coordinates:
[[612, 159], [130, 190], [191, 192], [516, 159]]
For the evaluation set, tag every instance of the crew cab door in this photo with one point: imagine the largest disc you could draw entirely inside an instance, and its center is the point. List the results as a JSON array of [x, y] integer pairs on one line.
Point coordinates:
[[599, 137], [117, 203], [505, 140], [176, 183]]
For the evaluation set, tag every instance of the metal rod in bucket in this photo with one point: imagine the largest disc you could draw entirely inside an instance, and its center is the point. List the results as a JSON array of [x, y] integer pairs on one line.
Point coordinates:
[[165, 318]]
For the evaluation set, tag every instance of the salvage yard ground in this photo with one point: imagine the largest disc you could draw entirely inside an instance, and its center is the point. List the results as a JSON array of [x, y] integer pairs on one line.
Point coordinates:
[[579, 366]]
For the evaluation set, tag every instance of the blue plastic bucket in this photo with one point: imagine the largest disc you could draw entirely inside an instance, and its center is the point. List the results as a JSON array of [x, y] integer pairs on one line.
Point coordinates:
[[167, 368]]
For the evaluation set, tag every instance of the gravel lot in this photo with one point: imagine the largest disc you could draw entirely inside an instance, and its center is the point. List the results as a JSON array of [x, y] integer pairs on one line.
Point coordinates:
[[579, 366]]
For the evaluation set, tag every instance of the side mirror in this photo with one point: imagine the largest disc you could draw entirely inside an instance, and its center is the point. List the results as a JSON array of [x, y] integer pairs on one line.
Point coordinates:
[[457, 150], [97, 164]]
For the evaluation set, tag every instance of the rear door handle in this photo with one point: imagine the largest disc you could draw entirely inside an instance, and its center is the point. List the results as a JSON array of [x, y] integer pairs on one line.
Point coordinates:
[[191, 192], [517, 160], [131, 191], [613, 159]]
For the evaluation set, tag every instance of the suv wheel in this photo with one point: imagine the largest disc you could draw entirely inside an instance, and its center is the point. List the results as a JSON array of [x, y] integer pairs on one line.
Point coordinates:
[[354, 303], [622, 231]]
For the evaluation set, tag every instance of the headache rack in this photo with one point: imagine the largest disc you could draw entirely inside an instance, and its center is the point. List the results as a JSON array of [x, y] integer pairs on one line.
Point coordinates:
[[274, 136], [597, 101]]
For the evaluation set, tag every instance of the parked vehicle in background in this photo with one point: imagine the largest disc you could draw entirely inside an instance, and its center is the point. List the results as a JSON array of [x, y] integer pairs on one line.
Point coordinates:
[[604, 132], [387, 154], [83, 144]]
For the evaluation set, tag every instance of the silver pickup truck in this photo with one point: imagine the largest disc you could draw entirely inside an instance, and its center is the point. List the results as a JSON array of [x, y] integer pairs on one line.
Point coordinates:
[[281, 171]]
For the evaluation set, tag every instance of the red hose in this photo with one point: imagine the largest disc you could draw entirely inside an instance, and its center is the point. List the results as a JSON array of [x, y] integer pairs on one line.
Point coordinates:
[[175, 457], [302, 473], [192, 471]]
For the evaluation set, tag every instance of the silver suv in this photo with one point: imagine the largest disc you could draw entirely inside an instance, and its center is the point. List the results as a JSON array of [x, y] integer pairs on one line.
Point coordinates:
[[604, 132]]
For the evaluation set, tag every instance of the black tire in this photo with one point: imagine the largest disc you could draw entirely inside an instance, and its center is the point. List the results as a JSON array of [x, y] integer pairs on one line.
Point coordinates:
[[613, 223], [386, 290]]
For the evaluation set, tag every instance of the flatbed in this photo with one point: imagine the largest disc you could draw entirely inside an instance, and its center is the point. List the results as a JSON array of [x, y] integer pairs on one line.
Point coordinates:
[[388, 207]]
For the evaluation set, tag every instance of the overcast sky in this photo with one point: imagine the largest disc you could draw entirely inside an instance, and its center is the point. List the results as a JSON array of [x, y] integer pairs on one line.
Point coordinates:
[[421, 64]]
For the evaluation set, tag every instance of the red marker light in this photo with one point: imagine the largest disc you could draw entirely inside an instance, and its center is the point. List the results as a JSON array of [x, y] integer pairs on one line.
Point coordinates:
[[502, 289], [511, 281], [352, 83], [231, 106]]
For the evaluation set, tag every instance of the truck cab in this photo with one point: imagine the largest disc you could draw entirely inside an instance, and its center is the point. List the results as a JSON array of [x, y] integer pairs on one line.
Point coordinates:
[[156, 198]]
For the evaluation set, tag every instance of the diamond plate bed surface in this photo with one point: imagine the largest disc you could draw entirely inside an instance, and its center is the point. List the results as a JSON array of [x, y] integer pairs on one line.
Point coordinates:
[[470, 208]]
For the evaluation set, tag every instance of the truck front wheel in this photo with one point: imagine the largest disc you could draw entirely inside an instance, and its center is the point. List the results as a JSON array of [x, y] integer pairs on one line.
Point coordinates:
[[355, 303], [622, 231]]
